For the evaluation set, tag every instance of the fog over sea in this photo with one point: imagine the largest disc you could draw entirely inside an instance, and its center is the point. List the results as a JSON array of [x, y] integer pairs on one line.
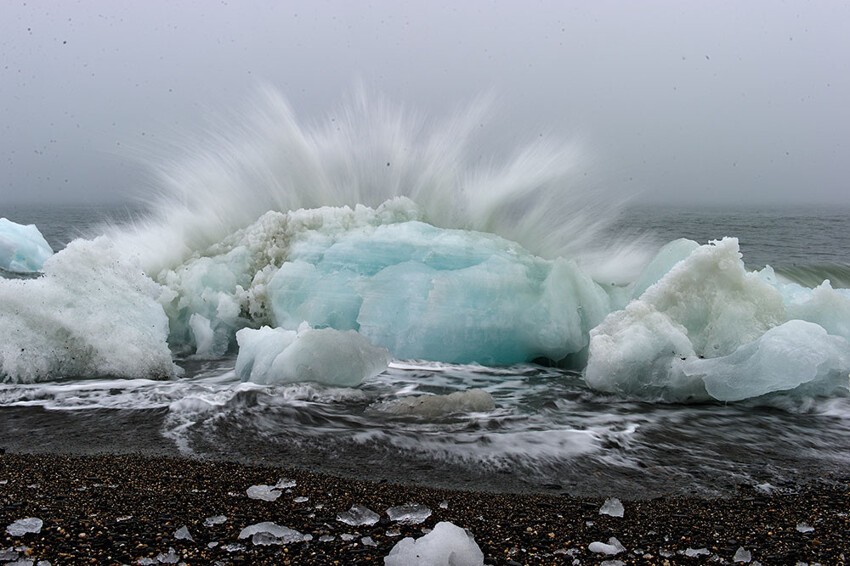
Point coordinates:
[[527, 333]]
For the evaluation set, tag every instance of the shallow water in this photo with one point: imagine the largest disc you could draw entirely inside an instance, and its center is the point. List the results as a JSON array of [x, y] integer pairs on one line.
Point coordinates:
[[548, 432]]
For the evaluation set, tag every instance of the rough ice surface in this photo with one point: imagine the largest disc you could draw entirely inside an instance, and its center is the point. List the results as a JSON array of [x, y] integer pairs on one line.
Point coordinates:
[[183, 533], [709, 329], [22, 247], [24, 526], [357, 516], [92, 314], [432, 406], [612, 507], [742, 555], [263, 492], [411, 514], [328, 356], [266, 533], [611, 548], [446, 545]]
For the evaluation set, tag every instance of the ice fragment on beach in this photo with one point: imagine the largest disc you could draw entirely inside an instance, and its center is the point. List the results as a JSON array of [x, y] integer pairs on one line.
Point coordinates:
[[212, 544], [214, 520], [4, 482], [804, 528], [171, 557], [301, 499], [367, 541], [765, 488], [8, 554], [358, 516], [612, 507], [742, 555], [446, 545], [613, 547], [146, 561], [444, 504], [183, 533], [347, 537], [271, 533], [412, 514], [326, 538], [285, 483], [234, 547], [694, 552], [613, 563], [23, 526], [263, 492]]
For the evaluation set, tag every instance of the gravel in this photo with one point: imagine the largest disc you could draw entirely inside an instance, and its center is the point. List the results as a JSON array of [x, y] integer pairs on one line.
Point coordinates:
[[127, 509]]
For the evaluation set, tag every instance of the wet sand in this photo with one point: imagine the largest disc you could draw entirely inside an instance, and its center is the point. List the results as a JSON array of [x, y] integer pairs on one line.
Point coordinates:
[[105, 509]]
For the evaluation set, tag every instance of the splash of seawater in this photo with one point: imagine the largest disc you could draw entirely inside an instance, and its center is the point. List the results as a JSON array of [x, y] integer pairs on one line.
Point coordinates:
[[366, 152]]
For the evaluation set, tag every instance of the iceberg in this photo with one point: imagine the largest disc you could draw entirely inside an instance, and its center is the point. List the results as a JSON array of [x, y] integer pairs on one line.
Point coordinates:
[[325, 355], [709, 329], [22, 247], [94, 313]]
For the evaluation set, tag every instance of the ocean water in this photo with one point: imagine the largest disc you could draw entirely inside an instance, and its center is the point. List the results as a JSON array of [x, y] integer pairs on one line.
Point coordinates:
[[539, 340]]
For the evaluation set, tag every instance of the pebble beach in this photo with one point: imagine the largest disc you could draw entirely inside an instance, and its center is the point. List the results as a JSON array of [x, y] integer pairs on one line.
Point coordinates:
[[131, 509]]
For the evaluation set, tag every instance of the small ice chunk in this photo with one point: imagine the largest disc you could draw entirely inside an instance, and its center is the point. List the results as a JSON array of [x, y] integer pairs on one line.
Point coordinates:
[[411, 514], [613, 547], [347, 537], [612, 563], [271, 533], [183, 533], [234, 547], [212, 544], [765, 488], [694, 552], [357, 516], [612, 507], [146, 561], [742, 555], [804, 528], [446, 545], [326, 538], [170, 557], [214, 520], [332, 357], [23, 526], [285, 483], [264, 492], [367, 541], [301, 499], [444, 504], [393, 533], [8, 554]]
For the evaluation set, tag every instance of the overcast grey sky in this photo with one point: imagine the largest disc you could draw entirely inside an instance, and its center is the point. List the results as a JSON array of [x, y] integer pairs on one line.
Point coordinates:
[[733, 102]]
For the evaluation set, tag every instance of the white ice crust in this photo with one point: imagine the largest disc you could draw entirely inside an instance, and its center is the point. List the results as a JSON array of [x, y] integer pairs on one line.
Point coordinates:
[[93, 314], [22, 247]]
